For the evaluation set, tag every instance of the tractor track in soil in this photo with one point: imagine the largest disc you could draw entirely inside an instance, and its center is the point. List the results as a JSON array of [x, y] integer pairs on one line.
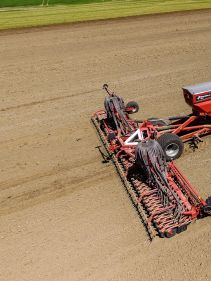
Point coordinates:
[[64, 215]]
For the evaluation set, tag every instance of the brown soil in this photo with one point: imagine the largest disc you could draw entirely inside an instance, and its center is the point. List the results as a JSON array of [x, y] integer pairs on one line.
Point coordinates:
[[63, 214]]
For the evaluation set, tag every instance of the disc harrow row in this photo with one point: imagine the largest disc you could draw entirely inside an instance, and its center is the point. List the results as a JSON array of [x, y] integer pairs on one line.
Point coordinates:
[[129, 186]]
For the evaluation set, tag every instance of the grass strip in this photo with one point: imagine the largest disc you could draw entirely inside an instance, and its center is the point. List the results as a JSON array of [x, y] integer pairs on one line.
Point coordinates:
[[56, 14]]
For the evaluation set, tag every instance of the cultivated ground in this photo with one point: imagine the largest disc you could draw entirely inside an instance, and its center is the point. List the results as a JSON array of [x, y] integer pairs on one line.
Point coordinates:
[[63, 214]]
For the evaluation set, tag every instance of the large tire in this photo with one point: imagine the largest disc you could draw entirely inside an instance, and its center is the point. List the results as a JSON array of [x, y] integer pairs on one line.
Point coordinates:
[[157, 122], [132, 107], [172, 146]]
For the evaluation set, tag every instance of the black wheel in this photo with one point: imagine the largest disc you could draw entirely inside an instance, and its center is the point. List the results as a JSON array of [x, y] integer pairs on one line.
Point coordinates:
[[170, 232], [207, 208], [132, 107], [157, 122], [172, 146], [182, 228], [208, 201]]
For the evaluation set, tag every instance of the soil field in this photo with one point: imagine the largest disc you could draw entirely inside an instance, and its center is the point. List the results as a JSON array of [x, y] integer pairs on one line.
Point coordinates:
[[64, 215]]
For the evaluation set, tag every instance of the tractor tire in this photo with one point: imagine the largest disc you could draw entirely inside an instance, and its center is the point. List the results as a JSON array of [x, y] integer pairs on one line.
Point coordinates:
[[157, 122], [132, 107], [172, 146]]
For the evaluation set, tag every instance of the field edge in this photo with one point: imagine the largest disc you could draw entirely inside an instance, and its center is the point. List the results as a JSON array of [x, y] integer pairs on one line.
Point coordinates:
[[28, 28]]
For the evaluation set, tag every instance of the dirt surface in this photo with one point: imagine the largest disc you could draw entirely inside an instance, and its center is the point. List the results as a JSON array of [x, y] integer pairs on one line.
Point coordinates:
[[63, 214]]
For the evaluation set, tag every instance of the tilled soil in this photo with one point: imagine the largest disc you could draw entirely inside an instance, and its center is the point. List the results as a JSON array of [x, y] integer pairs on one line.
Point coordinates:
[[64, 215]]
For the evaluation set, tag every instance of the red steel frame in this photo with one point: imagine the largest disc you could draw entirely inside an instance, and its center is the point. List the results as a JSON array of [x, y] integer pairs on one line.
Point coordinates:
[[186, 130], [157, 214], [123, 156]]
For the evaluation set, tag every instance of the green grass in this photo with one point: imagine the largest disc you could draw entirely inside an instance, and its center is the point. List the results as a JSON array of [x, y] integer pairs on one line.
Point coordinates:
[[18, 3], [36, 15]]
